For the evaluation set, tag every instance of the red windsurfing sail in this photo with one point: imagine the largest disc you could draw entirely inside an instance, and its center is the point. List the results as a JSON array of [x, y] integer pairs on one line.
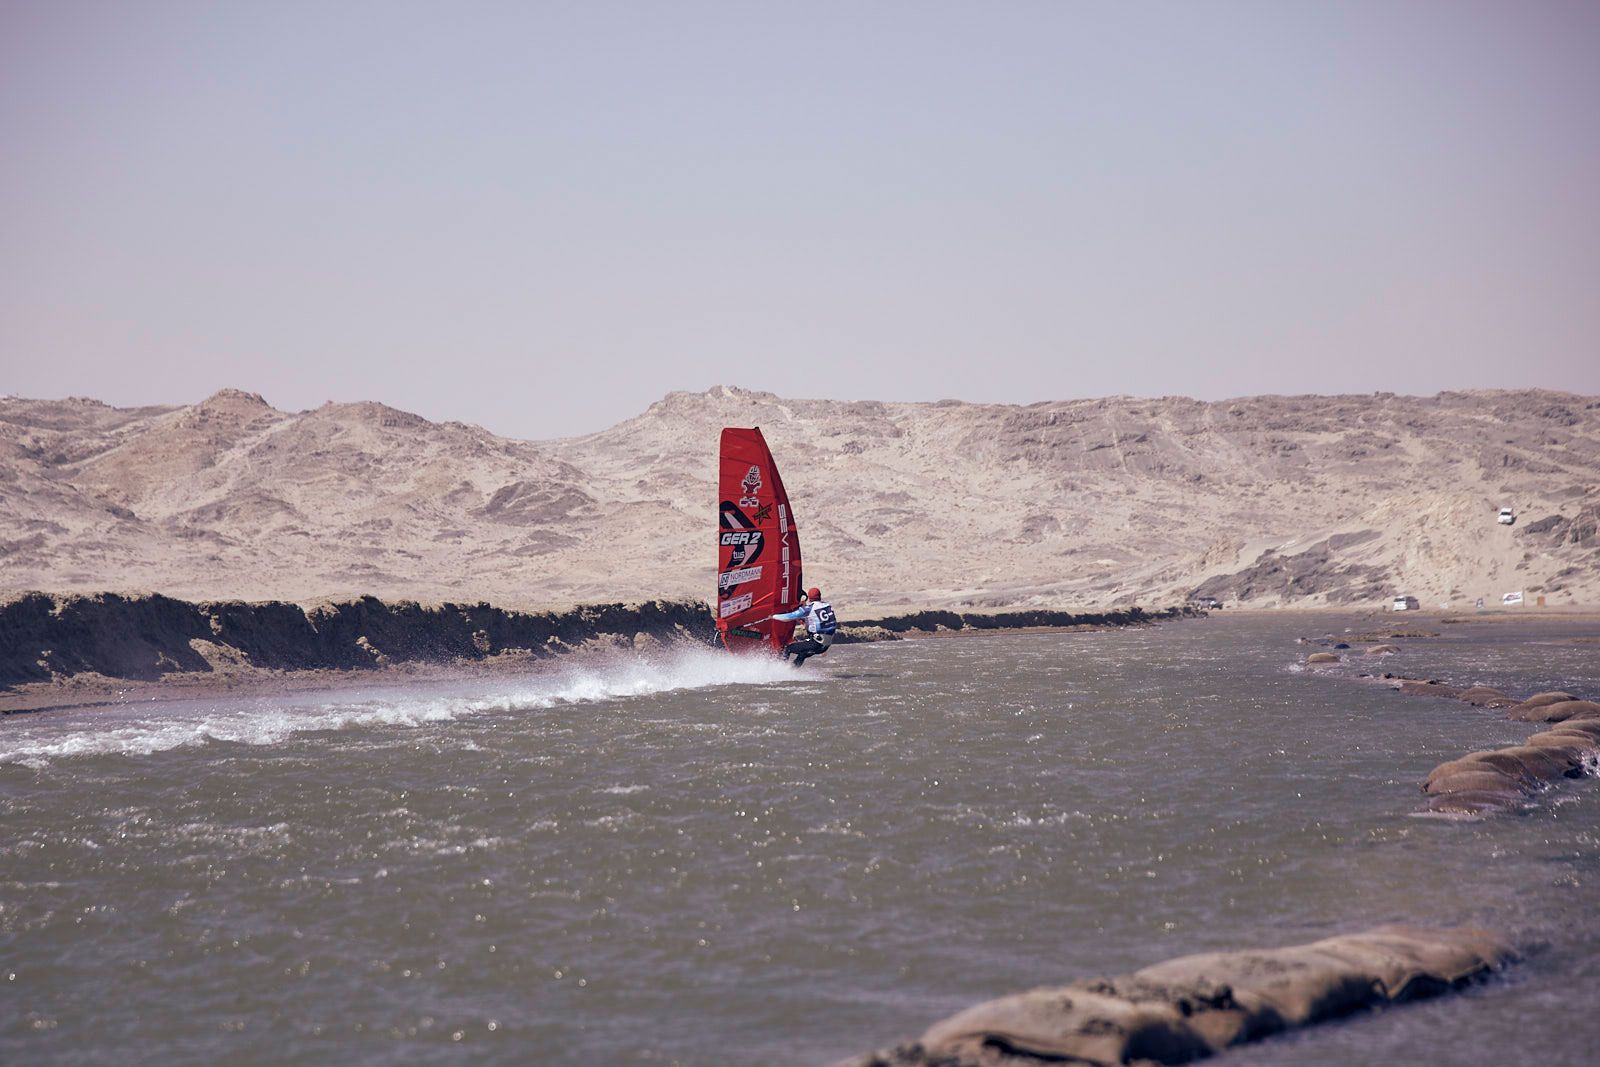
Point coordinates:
[[758, 547]]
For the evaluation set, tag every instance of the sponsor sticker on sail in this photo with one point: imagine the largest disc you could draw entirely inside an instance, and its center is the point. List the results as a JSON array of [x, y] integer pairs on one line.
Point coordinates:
[[729, 579], [736, 605]]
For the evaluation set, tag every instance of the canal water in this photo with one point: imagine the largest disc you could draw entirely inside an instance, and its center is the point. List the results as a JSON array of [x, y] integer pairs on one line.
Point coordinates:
[[691, 858]]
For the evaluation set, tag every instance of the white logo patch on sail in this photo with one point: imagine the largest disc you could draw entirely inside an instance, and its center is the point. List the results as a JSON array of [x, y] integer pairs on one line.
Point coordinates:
[[729, 579], [736, 605], [751, 486]]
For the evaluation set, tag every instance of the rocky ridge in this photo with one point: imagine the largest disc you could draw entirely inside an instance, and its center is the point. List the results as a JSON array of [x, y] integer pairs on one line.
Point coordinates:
[[1262, 501]]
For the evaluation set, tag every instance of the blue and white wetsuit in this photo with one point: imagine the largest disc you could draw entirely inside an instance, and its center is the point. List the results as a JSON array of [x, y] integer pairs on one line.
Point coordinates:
[[821, 625], [818, 614]]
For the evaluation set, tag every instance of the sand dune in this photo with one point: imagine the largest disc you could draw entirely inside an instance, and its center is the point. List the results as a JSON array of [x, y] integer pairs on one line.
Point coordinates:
[[1263, 501]]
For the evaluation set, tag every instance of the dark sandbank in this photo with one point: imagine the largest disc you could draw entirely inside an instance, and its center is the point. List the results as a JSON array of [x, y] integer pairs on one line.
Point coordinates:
[[111, 648]]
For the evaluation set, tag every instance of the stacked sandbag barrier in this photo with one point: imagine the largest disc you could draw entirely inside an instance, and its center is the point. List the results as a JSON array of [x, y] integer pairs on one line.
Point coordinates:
[[1196, 1006], [1500, 779]]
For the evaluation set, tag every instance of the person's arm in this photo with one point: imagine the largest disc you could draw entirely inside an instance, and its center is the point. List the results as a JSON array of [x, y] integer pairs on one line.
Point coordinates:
[[788, 616]]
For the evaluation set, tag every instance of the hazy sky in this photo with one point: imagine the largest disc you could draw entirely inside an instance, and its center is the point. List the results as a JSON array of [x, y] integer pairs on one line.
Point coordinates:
[[543, 216]]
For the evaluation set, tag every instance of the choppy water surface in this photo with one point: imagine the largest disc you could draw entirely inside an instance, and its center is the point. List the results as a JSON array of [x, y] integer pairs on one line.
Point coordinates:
[[707, 860]]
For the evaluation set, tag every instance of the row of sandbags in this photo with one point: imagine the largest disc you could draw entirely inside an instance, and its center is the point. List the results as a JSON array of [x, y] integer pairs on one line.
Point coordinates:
[[1496, 779], [1195, 1006]]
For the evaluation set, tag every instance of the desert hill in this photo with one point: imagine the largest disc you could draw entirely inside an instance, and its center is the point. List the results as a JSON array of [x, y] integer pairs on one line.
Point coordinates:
[[1266, 501]]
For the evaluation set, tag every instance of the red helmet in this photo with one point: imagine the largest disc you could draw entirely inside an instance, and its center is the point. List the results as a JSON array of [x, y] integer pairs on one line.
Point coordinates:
[[813, 593]]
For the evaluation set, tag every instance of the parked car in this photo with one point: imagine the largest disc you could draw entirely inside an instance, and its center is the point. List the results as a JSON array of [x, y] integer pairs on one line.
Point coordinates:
[[1507, 516], [1406, 603]]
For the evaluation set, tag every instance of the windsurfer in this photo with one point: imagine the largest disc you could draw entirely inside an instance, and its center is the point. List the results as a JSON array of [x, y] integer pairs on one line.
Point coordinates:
[[821, 625]]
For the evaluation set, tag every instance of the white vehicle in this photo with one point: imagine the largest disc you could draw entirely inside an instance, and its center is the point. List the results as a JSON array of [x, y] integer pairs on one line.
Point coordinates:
[[1507, 516], [1406, 603]]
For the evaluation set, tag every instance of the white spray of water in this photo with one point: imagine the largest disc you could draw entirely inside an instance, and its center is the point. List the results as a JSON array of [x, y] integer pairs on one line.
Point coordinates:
[[37, 740]]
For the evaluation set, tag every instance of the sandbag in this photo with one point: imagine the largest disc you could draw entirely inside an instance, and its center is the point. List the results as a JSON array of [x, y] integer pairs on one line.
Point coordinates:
[[1556, 712]]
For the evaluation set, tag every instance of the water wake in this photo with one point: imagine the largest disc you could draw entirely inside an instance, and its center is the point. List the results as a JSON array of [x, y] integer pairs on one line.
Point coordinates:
[[37, 740]]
